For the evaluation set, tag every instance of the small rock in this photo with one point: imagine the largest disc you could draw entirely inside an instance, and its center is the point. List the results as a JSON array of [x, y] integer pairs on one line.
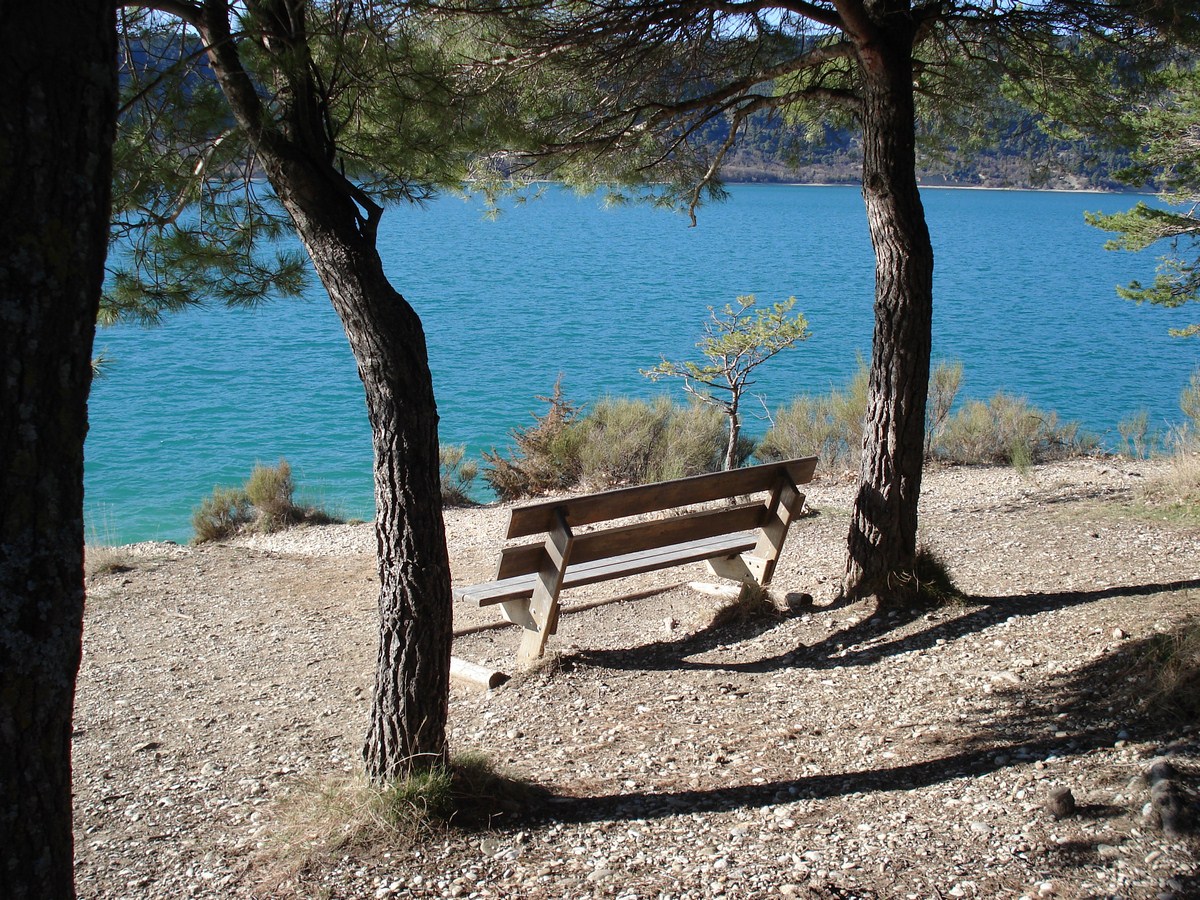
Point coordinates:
[[799, 602], [1060, 803], [1119, 634]]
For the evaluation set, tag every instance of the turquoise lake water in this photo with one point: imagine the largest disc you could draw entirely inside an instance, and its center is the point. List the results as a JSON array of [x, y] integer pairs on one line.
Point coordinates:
[[1024, 298]]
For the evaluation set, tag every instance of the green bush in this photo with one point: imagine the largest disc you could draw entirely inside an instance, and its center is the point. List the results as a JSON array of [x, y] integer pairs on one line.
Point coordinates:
[[1007, 430], [1189, 402], [944, 382], [618, 442], [458, 474], [270, 490], [637, 441], [829, 427], [264, 503]]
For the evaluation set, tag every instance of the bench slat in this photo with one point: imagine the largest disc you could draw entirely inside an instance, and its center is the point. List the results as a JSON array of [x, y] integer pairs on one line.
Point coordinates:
[[613, 567], [537, 518], [639, 536]]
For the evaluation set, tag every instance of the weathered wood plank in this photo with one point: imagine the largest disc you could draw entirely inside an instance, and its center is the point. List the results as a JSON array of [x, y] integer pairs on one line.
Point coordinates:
[[538, 518], [615, 567], [623, 539]]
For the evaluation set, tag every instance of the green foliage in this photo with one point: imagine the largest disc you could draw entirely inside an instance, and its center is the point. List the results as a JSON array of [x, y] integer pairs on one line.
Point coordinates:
[[1165, 129], [635, 442], [735, 343], [1007, 430], [265, 503], [191, 222], [828, 426], [458, 474], [404, 112]]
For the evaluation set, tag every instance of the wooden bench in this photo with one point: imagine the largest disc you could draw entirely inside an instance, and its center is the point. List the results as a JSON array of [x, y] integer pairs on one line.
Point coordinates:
[[739, 540]]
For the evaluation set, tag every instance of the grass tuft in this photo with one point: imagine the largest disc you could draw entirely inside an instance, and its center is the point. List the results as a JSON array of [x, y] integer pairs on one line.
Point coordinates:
[[1174, 495], [105, 559], [928, 585], [1167, 675], [753, 603], [349, 815]]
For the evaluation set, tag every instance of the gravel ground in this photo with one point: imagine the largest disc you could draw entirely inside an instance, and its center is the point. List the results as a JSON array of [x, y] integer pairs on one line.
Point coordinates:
[[833, 752]]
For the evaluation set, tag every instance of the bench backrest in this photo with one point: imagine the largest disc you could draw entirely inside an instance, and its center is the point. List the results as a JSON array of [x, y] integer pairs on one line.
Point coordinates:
[[544, 516]]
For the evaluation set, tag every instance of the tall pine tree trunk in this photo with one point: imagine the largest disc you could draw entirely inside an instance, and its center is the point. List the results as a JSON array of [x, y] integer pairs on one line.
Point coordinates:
[[338, 226], [883, 531], [58, 89], [408, 716]]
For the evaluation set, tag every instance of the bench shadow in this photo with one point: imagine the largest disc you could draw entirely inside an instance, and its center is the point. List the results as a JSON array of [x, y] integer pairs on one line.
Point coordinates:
[[861, 644]]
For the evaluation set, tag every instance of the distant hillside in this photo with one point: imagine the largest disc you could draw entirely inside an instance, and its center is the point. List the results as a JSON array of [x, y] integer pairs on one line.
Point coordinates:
[[1023, 156]]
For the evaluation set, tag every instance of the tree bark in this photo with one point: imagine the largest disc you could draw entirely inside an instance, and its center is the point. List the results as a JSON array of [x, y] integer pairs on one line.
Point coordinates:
[[337, 226], [735, 431], [408, 716], [882, 545], [58, 84]]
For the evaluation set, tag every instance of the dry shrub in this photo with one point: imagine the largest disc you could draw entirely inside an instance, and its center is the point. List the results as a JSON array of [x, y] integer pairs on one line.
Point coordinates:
[[829, 426], [265, 503], [271, 492], [618, 442], [1007, 430], [546, 457], [637, 442], [457, 475]]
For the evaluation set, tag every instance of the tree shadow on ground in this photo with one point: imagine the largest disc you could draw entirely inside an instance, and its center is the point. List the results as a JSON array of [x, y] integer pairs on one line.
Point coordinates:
[[863, 643], [1096, 698]]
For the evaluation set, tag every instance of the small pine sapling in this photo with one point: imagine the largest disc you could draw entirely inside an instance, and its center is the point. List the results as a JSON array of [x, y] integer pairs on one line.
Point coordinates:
[[737, 340]]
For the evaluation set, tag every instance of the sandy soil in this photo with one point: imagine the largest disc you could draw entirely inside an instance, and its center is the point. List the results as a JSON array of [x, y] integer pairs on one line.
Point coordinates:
[[833, 752]]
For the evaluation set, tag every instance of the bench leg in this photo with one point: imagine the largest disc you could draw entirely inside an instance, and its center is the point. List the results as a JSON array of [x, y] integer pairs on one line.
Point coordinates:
[[543, 615], [732, 567], [543, 605]]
